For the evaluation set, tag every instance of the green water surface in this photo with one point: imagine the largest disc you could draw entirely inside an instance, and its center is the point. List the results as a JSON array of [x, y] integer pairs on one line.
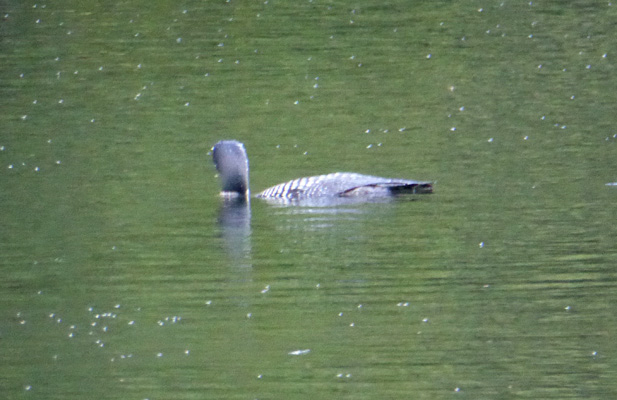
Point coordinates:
[[121, 280]]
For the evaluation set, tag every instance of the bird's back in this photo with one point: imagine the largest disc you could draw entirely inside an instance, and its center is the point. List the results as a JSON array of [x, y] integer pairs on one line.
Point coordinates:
[[344, 184]]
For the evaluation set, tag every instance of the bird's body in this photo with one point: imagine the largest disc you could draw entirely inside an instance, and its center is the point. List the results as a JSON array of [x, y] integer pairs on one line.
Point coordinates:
[[232, 163], [343, 184]]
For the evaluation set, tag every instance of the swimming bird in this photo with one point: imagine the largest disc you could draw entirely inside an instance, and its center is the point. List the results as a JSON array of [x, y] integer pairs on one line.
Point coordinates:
[[232, 163]]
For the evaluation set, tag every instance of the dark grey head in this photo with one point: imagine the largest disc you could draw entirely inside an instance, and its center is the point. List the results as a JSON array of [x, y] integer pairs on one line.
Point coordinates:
[[232, 163]]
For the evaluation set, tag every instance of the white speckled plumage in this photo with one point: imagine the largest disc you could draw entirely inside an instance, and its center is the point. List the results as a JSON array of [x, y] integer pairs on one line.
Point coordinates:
[[342, 184]]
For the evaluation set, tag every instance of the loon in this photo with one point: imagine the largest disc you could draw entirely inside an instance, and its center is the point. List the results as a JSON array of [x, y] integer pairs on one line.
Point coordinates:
[[232, 163]]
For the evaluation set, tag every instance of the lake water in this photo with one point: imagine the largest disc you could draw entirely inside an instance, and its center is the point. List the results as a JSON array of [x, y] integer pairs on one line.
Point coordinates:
[[125, 277]]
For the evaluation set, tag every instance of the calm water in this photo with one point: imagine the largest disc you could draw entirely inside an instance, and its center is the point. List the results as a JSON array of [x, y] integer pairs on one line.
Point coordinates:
[[124, 277]]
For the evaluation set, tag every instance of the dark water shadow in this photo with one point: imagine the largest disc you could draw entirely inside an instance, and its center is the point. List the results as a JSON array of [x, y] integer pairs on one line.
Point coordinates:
[[235, 222]]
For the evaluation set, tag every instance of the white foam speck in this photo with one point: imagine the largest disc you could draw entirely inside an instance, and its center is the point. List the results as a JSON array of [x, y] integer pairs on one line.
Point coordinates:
[[299, 352]]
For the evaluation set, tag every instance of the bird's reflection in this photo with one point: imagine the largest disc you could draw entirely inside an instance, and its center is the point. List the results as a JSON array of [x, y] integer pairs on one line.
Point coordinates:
[[235, 222], [321, 213]]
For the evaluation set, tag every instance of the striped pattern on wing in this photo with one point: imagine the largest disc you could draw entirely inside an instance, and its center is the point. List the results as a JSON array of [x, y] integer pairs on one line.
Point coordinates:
[[343, 184]]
